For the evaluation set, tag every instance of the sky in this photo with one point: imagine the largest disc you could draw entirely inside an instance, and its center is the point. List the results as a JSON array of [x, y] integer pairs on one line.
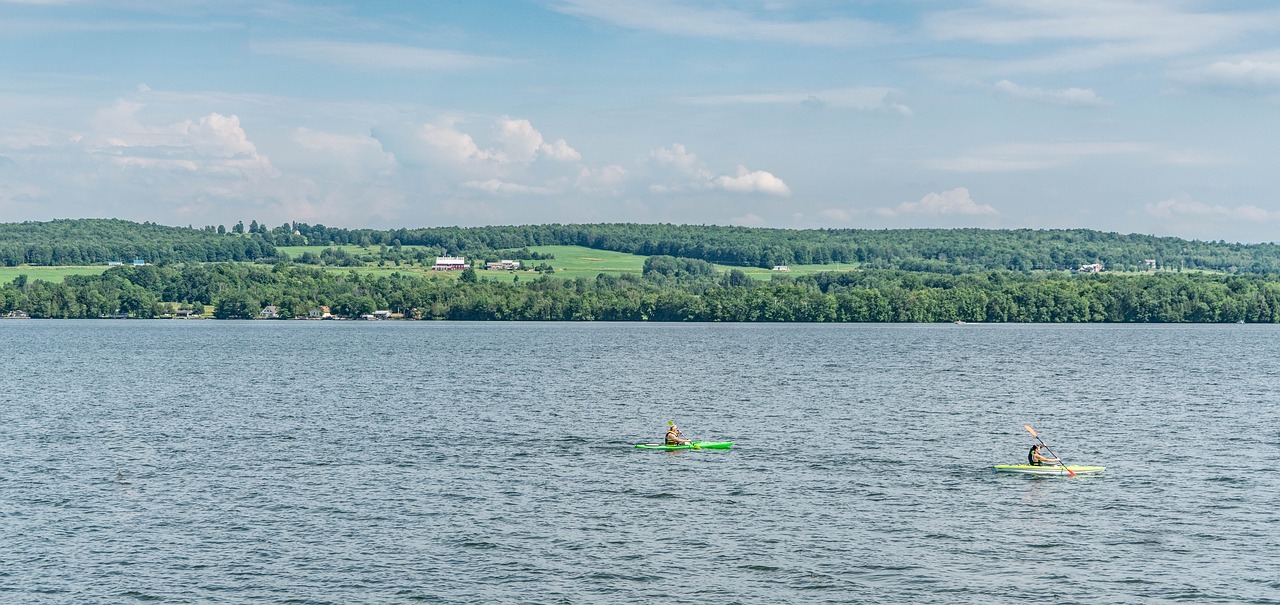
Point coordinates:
[[1158, 117]]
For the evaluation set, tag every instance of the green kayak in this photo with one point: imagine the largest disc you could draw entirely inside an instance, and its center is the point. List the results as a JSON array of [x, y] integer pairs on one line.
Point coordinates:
[[702, 445], [1050, 470]]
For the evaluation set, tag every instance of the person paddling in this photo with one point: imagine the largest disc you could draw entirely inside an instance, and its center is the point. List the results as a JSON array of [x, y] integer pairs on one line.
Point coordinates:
[[674, 438], [1035, 458]]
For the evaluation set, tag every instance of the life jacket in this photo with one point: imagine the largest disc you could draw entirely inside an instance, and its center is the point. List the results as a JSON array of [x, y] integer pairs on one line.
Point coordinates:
[[1031, 457], [673, 438]]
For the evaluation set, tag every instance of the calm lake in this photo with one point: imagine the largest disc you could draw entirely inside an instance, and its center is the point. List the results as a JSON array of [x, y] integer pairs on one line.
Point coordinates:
[[388, 462]]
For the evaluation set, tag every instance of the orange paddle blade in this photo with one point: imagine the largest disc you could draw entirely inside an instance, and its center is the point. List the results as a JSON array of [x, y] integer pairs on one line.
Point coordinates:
[[1031, 430]]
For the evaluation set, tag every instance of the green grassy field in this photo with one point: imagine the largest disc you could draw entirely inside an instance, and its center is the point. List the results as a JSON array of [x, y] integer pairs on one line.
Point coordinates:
[[48, 274], [295, 251], [570, 262]]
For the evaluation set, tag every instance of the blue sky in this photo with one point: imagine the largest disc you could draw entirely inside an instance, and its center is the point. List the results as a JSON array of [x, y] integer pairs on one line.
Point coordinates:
[[1155, 117]]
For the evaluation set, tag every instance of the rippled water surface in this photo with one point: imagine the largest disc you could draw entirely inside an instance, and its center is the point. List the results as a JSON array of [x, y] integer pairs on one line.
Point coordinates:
[[352, 462]]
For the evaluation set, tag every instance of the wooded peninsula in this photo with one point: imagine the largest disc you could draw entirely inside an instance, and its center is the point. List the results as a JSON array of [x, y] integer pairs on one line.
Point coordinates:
[[678, 273]]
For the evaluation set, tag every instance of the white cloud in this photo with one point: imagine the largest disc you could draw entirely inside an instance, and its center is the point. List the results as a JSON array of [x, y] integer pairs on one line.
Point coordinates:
[[609, 180], [1175, 208], [348, 154], [523, 143], [1032, 156], [364, 55], [1254, 73], [1067, 97], [456, 146], [210, 144], [676, 155], [681, 171], [498, 187], [955, 201], [561, 151], [757, 181], [683, 19], [858, 98], [1089, 34]]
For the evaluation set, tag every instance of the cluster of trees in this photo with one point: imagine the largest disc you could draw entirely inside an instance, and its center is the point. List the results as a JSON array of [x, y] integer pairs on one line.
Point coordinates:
[[670, 290], [99, 241], [953, 251]]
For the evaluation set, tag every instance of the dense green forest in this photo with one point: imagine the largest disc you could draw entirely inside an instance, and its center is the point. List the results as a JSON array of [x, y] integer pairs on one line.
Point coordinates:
[[670, 289], [100, 241], [953, 251]]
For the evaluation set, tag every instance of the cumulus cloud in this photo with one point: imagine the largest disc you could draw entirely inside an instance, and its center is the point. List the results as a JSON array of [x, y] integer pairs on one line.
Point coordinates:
[[346, 153], [953, 202], [523, 143], [676, 155], [687, 173], [1175, 208], [456, 146], [1067, 97], [210, 144], [753, 181]]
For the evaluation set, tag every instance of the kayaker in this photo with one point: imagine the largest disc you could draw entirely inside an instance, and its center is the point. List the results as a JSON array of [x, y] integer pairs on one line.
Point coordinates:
[[1035, 458], [674, 438]]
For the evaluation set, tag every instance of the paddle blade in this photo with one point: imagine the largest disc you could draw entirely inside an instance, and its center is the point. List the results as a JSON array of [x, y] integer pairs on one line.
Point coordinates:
[[1031, 430], [1069, 471]]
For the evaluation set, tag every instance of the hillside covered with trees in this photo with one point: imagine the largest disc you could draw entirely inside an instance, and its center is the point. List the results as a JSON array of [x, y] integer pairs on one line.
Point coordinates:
[[951, 251], [100, 241]]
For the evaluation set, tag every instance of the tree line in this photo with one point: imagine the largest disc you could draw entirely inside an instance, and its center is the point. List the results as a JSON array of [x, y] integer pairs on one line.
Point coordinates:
[[670, 289], [949, 251]]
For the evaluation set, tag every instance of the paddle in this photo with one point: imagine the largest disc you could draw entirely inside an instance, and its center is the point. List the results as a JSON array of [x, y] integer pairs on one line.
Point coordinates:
[[1046, 447], [672, 424]]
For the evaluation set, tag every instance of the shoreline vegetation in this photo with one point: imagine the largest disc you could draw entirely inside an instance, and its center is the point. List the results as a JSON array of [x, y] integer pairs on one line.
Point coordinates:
[[631, 273]]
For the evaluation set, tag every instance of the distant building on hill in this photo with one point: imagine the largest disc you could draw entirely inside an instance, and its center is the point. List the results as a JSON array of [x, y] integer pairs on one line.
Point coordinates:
[[781, 268], [503, 265], [1094, 268], [450, 263]]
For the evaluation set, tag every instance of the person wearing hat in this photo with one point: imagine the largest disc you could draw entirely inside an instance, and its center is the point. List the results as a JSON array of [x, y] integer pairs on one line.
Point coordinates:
[[674, 438], [1035, 458]]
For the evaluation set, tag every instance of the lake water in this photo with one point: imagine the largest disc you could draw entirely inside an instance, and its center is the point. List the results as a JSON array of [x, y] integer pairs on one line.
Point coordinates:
[[388, 462]]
